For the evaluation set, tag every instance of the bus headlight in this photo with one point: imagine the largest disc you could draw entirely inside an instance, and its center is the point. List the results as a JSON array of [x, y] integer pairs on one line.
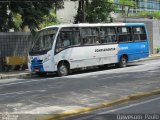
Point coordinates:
[[46, 58]]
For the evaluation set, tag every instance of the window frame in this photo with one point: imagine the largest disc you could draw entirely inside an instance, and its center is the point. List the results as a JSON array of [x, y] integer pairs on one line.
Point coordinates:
[[71, 41], [93, 43], [133, 33], [106, 27], [127, 35]]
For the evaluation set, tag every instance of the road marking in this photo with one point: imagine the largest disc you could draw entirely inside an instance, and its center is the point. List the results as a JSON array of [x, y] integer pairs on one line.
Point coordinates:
[[39, 80], [119, 89], [36, 103], [19, 83], [129, 106], [22, 92], [115, 76], [121, 108]]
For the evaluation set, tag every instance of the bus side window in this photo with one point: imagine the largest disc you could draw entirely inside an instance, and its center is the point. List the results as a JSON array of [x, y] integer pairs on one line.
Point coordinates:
[[139, 33], [76, 38], [90, 36], [68, 37], [59, 44], [108, 35], [63, 39], [124, 34]]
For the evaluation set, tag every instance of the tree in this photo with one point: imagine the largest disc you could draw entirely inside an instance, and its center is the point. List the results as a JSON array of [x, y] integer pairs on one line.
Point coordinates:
[[4, 17], [99, 11], [127, 4], [148, 14], [58, 4], [18, 15], [81, 12], [94, 11], [49, 20]]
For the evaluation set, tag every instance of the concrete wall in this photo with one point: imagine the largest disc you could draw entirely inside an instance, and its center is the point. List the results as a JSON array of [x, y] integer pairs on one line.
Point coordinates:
[[67, 14], [156, 35]]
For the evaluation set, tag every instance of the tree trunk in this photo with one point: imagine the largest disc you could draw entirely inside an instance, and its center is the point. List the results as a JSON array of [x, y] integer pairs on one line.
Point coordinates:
[[83, 10]]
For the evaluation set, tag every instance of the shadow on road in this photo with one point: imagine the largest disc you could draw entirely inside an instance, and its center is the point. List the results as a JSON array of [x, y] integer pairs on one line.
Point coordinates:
[[89, 70]]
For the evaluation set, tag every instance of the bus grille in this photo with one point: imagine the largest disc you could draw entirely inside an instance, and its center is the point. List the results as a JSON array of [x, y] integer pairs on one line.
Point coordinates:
[[37, 62]]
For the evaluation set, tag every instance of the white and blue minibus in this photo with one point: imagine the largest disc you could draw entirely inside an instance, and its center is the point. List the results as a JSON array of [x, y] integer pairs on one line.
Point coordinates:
[[62, 48]]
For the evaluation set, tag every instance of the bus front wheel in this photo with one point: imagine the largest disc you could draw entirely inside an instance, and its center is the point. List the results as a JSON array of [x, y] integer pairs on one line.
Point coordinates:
[[123, 62], [63, 69]]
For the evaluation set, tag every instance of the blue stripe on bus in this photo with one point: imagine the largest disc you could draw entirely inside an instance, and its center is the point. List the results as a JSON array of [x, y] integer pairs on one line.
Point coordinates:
[[134, 50]]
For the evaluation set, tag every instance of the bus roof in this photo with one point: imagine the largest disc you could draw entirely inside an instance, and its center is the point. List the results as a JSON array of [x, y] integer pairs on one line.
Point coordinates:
[[95, 24]]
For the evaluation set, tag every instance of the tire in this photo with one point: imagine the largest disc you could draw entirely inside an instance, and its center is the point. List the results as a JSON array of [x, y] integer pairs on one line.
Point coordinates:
[[123, 62], [63, 69]]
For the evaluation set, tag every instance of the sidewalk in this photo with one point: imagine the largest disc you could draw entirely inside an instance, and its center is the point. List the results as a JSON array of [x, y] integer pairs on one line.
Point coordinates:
[[154, 56], [26, 73], [15, 74]]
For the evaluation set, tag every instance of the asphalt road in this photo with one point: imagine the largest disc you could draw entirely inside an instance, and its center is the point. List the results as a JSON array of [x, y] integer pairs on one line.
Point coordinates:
[[54, 95], [145, 109]]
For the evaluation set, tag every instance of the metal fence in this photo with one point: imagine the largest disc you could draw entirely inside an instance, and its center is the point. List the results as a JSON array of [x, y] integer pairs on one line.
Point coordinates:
[[14, 44]]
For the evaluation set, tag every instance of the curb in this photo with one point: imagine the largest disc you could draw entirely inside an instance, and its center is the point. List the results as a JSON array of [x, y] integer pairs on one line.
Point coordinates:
[[153, 57], [82, 110], [146, 59], [23, 75]]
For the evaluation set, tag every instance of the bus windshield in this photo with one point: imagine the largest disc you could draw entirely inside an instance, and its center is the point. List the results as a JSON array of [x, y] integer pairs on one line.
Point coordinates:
[[43, 40]]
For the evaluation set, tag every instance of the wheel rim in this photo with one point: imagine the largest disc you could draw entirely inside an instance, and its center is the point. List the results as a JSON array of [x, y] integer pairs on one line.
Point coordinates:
[[63, 70], [123, 61]]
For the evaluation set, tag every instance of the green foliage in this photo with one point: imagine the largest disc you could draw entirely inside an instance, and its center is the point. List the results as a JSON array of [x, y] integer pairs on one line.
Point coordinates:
[[99, 11], [31, 13], [17, 21], [94, 11], [23, 14], [81, 12], [127, 2], [157, 50], [49, 20], [3, 17], [148, 14]]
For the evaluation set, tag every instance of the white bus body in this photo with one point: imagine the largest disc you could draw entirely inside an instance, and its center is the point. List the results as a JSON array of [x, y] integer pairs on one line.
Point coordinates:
[[79, 54]]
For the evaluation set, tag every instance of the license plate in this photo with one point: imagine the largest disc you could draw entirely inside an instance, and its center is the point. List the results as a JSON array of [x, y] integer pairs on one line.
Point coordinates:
[[36, 70]]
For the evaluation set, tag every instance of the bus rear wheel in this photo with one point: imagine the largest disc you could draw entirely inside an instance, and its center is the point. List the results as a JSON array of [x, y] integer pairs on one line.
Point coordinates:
[[123, 62], [63, 69]]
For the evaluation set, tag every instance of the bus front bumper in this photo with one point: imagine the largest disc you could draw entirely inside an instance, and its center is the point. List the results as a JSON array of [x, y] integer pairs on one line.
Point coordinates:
[[42, 67]]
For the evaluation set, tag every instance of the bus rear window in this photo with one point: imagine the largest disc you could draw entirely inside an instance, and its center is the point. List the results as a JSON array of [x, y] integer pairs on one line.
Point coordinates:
[[139, 33]]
